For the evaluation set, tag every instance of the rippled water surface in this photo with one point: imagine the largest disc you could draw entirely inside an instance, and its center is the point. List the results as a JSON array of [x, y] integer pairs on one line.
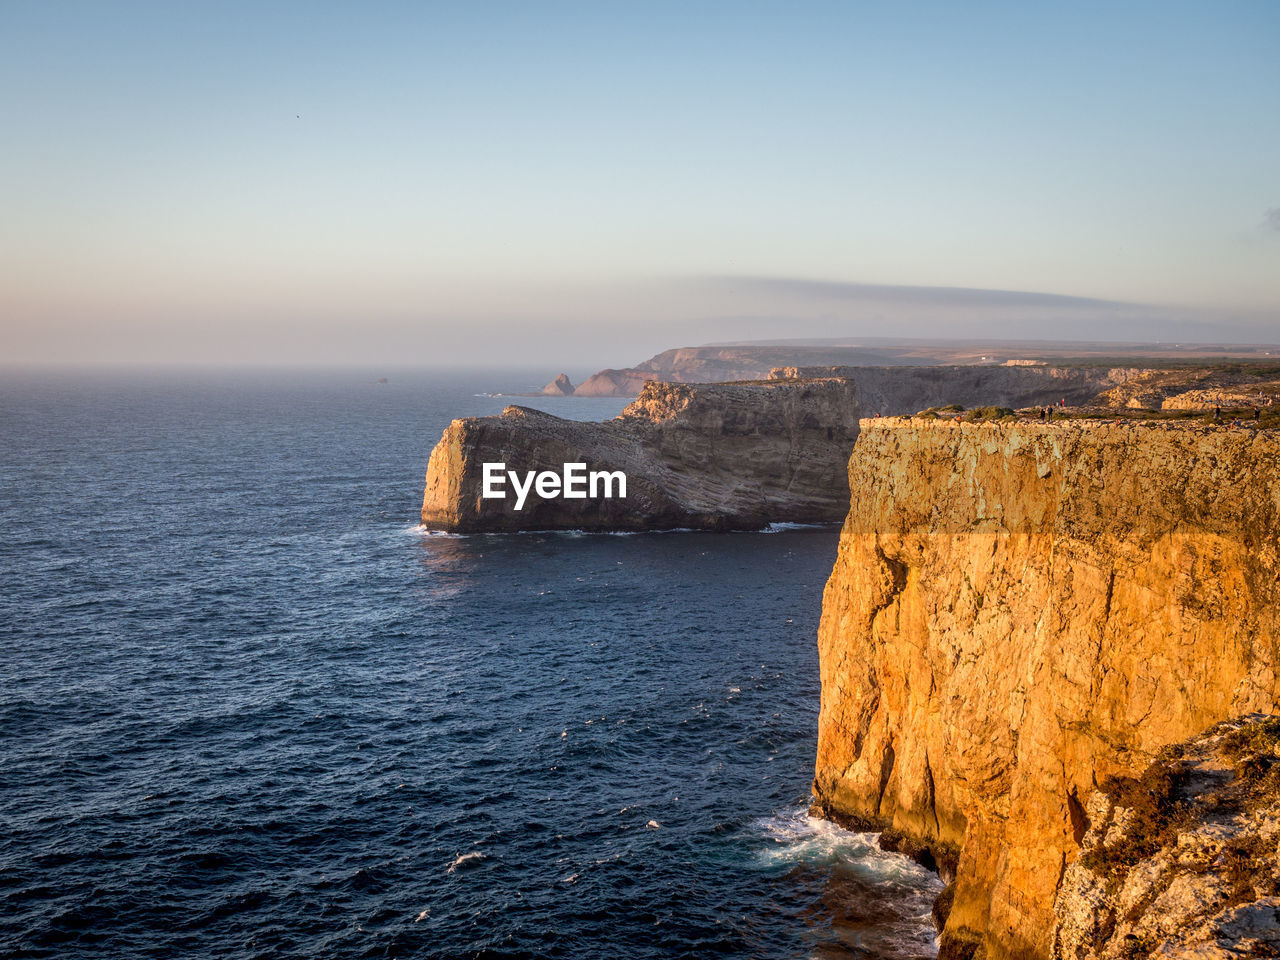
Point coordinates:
[[250, 710]]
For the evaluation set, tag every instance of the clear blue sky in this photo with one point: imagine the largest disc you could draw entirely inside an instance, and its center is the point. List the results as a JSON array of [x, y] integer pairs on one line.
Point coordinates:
[[445, 183]]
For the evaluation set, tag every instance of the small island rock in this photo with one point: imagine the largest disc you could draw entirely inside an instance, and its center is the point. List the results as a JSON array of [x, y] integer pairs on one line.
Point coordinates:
[[561, 386]]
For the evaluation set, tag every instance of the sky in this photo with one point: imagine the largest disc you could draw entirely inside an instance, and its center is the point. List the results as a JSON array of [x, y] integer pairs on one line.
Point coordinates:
[[421, 183]]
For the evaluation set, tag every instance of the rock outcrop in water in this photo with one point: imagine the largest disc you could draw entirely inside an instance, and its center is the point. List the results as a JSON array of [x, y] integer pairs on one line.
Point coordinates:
[[561, 386], [713, 456], [1020, 611]]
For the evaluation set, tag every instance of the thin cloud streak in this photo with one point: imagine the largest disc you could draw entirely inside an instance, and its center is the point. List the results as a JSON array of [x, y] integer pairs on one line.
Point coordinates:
[[907, 294]]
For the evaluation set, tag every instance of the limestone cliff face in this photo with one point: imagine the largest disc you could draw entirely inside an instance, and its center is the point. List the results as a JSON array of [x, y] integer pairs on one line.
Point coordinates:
[[713, 456], [1019, 611]]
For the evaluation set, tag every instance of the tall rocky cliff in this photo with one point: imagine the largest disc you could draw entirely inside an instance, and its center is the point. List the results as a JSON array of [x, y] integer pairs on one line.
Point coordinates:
[[1021, 610]]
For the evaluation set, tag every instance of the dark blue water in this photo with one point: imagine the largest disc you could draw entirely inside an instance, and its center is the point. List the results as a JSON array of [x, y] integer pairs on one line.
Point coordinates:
[[249, 710]]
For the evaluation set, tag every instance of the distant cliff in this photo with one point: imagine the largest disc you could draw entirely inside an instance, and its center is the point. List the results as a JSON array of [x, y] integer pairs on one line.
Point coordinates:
[[730, 455], [720, 364], [1156, 371], [1018, 612], [714, 456], [884, 389]]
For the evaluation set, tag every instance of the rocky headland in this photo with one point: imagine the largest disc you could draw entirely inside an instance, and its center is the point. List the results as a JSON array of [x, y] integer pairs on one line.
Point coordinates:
[[727, 363], [1166, 365], [716, 456], [1023, 612]]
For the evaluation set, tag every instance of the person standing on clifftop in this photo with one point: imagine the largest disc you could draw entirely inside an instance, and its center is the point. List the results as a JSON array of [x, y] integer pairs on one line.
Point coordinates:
[[1217, 412]]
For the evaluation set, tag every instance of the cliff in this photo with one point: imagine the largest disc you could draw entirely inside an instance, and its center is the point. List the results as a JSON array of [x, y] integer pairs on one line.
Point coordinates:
[[716, 456], [1183, 861], [725, 363], [1021, 610], [1165, 369]]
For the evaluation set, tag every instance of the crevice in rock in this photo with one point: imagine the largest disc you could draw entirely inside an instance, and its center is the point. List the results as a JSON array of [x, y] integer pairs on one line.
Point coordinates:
[[931, 800], [886, 771], [1079, 819]]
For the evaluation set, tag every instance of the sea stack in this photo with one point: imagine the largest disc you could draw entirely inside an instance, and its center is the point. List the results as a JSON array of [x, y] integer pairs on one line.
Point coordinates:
[[561, 386]]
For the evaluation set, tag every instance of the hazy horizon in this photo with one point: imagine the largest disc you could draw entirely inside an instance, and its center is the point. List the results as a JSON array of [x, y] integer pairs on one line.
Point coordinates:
[[577, 186]]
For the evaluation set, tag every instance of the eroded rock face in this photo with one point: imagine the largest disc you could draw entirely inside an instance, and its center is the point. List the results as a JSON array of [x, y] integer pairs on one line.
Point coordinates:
[[712, 456], [1021, 610], [1183, 861]]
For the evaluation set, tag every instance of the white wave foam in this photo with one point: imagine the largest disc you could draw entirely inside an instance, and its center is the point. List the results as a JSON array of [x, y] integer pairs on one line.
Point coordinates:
[[799, 838], [418, 530], [904, 890], [783, 526], [465, 859]]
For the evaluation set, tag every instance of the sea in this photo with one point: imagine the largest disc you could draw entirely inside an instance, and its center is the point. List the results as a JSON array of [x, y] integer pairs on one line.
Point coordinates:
[[250, 709]]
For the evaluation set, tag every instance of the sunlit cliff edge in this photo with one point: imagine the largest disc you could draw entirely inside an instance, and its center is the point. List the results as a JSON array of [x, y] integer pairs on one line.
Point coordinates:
[[1020, 611]]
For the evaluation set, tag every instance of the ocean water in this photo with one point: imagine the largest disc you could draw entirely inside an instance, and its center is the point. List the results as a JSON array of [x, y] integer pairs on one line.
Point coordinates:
[[249, 709]]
